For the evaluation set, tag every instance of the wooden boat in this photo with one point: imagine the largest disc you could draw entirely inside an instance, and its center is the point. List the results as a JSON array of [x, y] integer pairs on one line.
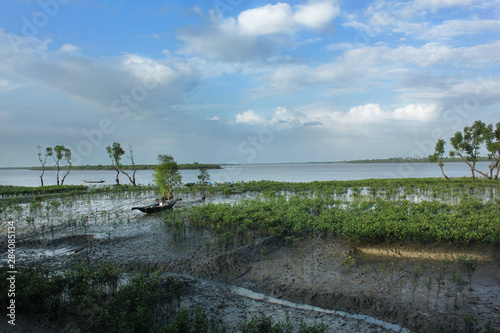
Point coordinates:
[[155, 208], [94, 181]]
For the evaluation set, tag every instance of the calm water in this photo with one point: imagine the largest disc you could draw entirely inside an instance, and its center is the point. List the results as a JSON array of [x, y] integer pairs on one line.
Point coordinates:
[[301, 172]]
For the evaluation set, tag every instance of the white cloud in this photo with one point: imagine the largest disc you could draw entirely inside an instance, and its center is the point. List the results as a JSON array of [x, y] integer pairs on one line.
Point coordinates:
[[412, 18], [255, 33], [249, 117], [453, 28], [373, 113], [100, 81], [282, 18], [214, 118], [223, 40], [316, 14], [364, 67], [331, 118], [417, 112], [269, 19], [69, 48], [435, 5]]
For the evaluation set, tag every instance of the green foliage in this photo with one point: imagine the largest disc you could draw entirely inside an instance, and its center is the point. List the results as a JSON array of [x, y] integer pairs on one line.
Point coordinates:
[[468, 266], [36, 290], [467, 145], [58, 153], [167, 175], [138, 306], [437, 157], [389, 189], [203, 177], [146, 303], [115, 153], [265, 324], [195, 321], [375, 221]]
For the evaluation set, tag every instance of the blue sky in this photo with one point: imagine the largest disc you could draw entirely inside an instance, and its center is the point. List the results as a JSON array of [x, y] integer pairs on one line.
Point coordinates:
[[238, 81]]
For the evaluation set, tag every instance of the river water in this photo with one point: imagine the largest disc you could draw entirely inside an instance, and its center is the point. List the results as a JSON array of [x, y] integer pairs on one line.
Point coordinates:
[[288, 172]]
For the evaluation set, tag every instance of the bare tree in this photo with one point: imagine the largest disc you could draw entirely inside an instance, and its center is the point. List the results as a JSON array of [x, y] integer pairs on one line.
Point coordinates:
[[115, 153], [131, 157], [43, 159], [58, 153], [437, 157]]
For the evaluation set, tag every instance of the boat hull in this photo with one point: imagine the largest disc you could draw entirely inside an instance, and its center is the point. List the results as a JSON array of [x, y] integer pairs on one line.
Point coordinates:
[[155, 208]]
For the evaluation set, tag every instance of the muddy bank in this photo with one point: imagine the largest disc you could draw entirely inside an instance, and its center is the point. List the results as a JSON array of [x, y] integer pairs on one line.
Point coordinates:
[[373, 280]]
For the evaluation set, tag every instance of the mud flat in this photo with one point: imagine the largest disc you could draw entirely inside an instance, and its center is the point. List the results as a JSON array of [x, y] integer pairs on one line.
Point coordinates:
[[350, 288]]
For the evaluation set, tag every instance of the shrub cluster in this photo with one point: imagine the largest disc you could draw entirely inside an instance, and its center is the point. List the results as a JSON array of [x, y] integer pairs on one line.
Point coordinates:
[[471, 221]]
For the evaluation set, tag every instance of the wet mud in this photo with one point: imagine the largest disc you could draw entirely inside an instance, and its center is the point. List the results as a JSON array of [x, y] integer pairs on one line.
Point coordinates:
[[377, 281]]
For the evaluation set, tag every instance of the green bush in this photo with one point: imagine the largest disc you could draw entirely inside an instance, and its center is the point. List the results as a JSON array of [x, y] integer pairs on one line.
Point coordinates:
[[469, 221]]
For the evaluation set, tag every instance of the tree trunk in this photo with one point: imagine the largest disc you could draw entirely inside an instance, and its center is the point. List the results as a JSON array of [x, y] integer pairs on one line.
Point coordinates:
[[482, 173], [442, 171], [117, 175], [67, 173], [132, 179], [58, 174], [41, 176]]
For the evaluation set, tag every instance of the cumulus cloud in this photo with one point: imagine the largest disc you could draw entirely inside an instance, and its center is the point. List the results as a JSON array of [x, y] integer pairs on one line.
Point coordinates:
[[282, 118], [333, 119], [249, 117], [316, 14], [359, 69], [222, 40], [255, 33], [374, 113], [269, 19], [282, 18], [453, 28], [98, 81]]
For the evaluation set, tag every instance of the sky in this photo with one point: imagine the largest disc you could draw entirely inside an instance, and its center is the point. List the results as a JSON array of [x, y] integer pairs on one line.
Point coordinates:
[[240, 81]]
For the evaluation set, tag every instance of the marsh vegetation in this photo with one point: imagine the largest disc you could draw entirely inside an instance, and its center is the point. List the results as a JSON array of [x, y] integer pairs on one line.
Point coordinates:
[[422, 253]]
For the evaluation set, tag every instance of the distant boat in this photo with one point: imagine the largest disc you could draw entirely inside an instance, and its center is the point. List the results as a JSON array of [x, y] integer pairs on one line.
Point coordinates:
[[94, 181], [155, 208]]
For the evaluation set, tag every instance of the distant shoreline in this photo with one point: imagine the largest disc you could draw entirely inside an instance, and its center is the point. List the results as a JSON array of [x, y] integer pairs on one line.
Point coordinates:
[[193, 166], [184, 166]]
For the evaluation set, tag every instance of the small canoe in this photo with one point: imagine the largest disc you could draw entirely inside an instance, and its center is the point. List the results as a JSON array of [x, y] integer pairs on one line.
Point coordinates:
[[156, 208], [94, 181]]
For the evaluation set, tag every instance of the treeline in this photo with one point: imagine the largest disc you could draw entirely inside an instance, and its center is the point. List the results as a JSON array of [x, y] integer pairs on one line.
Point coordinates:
[[182, 166], [411, 160], [467, 146], [115, 152]]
